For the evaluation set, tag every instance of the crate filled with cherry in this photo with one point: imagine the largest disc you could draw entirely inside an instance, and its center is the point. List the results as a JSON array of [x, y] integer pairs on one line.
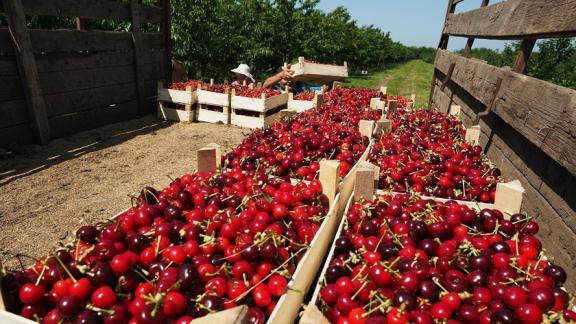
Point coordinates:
[[213, 103], [256, 107], [206, 243], [178, 101], [304, 101], [404, 259], [426, 154]]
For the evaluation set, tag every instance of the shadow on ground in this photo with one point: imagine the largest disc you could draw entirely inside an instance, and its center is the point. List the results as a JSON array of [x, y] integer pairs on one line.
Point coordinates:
[[23, 160]]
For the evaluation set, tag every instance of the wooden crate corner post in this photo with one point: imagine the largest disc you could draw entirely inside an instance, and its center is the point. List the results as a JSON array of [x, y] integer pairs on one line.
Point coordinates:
[[383, 127], [330, 178], [455, 110], [312, 315], [364, 187], [208, 158], [392, 105], [473, 135], [366, 128], [509, 197]]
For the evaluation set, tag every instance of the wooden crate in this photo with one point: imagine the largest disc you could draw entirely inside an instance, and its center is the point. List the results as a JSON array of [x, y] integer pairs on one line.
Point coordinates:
[[256, 112], [176, 105], [303, 105], [317, 72], [366, 185], [213, 107]]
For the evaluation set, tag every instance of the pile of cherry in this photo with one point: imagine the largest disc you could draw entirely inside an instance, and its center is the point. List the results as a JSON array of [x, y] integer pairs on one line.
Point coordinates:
[[212, 241], [426, 154], [205, 243], [401, 259]]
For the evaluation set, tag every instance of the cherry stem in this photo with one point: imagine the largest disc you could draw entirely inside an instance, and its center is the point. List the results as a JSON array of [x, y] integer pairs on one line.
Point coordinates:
[[65, 268]]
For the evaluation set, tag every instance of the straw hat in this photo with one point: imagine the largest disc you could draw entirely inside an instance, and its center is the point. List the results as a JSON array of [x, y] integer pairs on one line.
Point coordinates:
[[244, 69]]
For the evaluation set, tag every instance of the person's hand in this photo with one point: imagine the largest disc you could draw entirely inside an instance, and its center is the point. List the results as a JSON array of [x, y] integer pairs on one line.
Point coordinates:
[[286, 73]]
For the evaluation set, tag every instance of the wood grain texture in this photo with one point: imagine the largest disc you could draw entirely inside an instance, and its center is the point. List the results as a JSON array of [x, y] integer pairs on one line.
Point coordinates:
[[91, 9], [542, 112], [515, 19], [66, 81], [538, 170], [72, 123], [13, 113], [27, 69], [82, 100]]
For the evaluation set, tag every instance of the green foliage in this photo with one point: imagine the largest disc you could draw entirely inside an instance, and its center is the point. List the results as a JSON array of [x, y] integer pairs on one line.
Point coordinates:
[[211, 37], [554, 60]]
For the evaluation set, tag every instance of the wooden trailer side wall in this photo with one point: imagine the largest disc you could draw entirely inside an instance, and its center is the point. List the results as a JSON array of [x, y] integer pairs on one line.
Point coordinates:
[[87, 78], [528, 126]]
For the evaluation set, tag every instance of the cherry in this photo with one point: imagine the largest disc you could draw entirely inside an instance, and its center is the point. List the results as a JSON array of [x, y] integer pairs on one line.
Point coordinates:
[[557, 274], [87, 234], [69, 305], [103, 297], [529, 313], [31, 294], [542, 297], [504, 316]]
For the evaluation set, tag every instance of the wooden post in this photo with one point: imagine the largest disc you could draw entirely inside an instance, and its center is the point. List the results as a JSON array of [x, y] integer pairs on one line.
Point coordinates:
[[312, 315], [364, 186], [366, 128], [455, 110], [79, 23], [392, 105], [27, 68], [208, 158], [330, 178], [165, 29], [443, 44], [138, 52], [188, 107], [2, 273], [473, 135], [509, 197], [521, 61], [383, 126]]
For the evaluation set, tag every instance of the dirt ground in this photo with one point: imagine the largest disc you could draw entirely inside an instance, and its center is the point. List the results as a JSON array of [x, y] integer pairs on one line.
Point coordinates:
[[46, 193]]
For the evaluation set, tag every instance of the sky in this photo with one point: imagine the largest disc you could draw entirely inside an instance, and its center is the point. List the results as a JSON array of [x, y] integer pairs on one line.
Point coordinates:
[[411, 22]]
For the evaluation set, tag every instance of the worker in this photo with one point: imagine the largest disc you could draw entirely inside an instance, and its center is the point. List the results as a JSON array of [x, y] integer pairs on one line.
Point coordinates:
[[242, 76], [283, 78]]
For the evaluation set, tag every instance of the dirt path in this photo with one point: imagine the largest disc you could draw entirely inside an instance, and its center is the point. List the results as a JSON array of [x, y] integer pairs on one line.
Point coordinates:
[[46, 193]]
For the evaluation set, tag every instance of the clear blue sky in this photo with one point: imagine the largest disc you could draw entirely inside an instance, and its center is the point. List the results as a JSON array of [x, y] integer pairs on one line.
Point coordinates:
[[411, 22]]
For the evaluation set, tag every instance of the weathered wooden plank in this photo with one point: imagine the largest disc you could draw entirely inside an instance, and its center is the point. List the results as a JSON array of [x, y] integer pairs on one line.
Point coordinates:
[[13, 113], [441, 101], [67, 40], [65, 81], [138, 50], [8, 66], [152, 41], [54, 62], [75, 122], [27, 68], [538, 170], [91, 9], [18, 134], [515, 19], [82, 100], [542, 112], [75, 40], [11, 88]]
